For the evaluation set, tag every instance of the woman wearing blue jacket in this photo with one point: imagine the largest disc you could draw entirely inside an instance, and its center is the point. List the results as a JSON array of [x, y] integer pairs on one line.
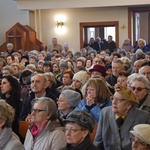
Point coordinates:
[[97, 96]]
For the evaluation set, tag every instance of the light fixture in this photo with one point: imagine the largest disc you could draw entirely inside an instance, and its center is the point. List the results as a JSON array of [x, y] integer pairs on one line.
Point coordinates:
[[60, 24], [123, 27]]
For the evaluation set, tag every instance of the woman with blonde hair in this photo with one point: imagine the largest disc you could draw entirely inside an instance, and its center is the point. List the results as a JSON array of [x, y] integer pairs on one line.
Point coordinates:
[[97, 96], [8, 139]]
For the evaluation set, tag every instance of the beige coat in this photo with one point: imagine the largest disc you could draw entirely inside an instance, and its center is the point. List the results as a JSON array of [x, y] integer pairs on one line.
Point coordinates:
[[14, 144], [52, 137]]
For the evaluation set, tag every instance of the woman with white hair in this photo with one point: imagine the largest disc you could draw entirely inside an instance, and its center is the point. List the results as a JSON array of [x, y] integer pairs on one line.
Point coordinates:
[[141, 43], [139, 54], [140, 86], [45, 132], [141, 137]]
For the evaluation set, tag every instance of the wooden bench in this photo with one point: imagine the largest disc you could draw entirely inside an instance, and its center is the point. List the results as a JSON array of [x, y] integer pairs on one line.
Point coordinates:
[[23, 127], [92, 135]]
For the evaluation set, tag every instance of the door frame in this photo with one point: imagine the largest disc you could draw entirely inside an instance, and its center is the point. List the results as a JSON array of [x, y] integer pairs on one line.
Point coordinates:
[[98, 24], [131, 23]]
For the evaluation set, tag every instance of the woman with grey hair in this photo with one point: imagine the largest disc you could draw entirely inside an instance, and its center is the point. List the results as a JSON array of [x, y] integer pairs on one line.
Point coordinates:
[[45, 132], [140, 86], [8, 139]]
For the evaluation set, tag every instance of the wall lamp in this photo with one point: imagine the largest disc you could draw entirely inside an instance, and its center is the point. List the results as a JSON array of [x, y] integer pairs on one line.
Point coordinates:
[[123, 27], [60, 24]]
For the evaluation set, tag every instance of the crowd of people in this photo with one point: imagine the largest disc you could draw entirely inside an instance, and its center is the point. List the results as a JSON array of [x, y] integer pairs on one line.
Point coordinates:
[[64, 93]]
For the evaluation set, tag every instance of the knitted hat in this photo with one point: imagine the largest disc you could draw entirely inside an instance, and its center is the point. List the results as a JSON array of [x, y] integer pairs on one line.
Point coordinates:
[[142, 132], [63, 64], [126, 93], [100, 69], [72, 97], [82, 118], [80, 76]]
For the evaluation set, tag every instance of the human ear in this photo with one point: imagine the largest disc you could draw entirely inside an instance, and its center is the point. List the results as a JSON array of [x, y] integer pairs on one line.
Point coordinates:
[[2, 122], [85, 133]]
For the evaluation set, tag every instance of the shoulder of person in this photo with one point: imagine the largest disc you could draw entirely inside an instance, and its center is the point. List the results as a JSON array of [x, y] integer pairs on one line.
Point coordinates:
[[14, 143], [54, 125]]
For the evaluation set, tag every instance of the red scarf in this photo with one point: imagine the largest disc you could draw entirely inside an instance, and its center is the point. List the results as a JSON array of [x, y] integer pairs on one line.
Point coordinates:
[[35, 130]]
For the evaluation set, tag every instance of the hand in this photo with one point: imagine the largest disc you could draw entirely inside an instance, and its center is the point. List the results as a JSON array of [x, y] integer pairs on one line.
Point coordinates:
[[90, 100], [28, 118]]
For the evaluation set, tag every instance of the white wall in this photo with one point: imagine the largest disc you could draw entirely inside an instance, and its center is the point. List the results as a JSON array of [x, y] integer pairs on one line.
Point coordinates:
[[55, 4], [9, 15], [74, 17]]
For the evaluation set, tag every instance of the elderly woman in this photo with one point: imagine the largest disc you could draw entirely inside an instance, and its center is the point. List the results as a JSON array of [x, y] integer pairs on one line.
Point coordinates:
[[79, 124], [97, 96], [8, 139], [141, 137], [45, 132], [67, 101], [116, 121], [140, 86]]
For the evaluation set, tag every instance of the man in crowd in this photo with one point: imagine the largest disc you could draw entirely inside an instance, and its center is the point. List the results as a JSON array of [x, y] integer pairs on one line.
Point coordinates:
[[145, 70], [55, 45], [38, 89], [10, 48], [109, 45], [117, 66]]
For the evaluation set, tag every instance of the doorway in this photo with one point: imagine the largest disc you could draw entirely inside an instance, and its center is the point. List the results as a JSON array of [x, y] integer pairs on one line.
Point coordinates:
[[99, 28], [136, 26]]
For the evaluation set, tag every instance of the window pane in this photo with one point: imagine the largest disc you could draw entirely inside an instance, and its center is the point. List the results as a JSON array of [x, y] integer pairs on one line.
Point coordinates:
[[109, 31]]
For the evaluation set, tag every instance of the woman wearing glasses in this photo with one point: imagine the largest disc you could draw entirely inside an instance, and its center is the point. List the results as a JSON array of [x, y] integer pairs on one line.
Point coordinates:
[[78, 126], [116, 121], [140, 86], [45, 132], [141, 137]]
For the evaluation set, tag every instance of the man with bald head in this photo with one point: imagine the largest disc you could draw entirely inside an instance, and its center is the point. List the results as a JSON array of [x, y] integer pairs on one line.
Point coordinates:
[[137, 65], [145, 70], [38, 89]]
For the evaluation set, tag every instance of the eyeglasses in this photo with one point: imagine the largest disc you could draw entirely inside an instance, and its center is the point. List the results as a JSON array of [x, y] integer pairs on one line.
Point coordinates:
[[138, 142], [117, 99], [139, 89], [72, 130], [37, 111]]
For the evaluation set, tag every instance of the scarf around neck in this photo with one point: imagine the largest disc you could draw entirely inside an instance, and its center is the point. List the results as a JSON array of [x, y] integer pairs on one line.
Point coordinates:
[[5, 136], [35, 130]]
